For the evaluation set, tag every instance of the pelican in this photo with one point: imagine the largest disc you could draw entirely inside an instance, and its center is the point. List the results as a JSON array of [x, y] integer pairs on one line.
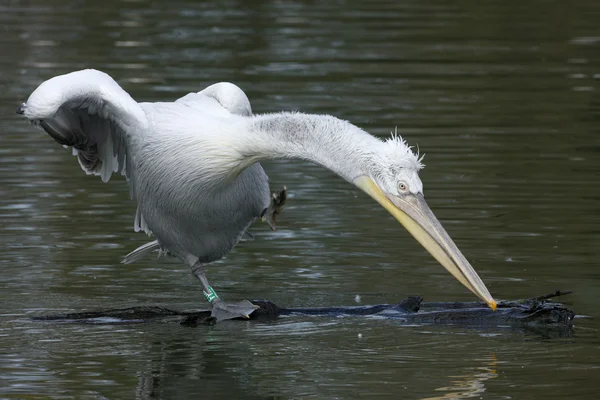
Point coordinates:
[[193, 167]]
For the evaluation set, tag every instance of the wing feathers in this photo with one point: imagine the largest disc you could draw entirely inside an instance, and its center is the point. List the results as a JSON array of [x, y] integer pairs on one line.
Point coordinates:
[[90, 112], [141, 252]]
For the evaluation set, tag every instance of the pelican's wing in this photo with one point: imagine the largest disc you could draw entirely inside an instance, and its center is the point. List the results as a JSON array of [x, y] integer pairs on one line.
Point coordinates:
[[222, 97], [141, 252], [88, 111]]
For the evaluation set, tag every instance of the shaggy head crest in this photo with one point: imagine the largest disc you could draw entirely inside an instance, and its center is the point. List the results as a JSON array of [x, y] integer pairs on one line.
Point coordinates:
[[397, 162], [398, 153]]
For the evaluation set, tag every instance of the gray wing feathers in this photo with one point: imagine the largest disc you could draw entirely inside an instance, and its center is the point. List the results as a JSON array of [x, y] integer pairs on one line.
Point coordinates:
[[141, 252], [90, 112], [99, 143], [139, 224]]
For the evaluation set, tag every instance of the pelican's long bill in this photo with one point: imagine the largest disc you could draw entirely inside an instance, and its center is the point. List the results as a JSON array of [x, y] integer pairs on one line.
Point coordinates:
[[412, 211]]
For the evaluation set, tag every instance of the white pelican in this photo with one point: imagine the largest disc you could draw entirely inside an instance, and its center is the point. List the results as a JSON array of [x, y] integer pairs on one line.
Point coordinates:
[[193, 167]]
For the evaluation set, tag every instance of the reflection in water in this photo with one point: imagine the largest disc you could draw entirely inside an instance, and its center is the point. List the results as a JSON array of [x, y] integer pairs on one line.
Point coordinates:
[[177, 366], [469, 385]]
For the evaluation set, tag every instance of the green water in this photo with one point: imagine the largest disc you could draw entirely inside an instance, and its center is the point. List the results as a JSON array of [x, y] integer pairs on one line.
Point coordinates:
[[501, 96]]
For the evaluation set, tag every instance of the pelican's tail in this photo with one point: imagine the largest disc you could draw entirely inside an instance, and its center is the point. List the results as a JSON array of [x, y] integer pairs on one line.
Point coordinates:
[[141, 252]]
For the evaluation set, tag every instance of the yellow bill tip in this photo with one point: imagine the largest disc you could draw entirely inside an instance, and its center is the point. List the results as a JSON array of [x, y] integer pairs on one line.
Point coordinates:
[[492, 305]]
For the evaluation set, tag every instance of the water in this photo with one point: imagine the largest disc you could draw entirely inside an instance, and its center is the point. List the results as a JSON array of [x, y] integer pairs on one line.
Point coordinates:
[[502, 98]]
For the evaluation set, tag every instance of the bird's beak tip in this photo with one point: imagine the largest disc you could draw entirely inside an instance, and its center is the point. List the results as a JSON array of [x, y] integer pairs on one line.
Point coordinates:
[[493, 305]]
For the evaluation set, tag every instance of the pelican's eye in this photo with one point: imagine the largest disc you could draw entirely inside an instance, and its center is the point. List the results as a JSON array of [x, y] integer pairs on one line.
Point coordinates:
[[402, 187]]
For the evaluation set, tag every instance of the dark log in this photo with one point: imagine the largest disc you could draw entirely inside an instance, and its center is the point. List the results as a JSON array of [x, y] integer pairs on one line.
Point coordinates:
[[535, 314]]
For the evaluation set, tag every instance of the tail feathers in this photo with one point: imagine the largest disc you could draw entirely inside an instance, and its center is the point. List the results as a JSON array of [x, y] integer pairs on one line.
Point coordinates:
[[141, 252]]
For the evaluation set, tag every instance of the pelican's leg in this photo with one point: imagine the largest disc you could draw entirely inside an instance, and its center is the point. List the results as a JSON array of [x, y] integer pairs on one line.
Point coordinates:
[[269, 215], [220, 309]]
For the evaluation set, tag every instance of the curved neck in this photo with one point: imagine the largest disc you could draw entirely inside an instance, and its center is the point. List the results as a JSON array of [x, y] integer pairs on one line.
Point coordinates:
[[325, 140]]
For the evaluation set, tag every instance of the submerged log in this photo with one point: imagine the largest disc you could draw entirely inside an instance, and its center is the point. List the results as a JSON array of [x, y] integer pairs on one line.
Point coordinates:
[[535, 314]]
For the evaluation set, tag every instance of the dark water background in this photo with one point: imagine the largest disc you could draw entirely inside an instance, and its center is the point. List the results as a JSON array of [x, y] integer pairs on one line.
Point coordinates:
[[503, 97]]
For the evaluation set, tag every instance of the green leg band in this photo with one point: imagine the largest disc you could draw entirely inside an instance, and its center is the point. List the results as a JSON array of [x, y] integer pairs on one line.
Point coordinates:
[[211, 295]]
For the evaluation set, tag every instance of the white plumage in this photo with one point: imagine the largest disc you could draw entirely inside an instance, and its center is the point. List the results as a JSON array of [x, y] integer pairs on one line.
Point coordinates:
[[192, 164]]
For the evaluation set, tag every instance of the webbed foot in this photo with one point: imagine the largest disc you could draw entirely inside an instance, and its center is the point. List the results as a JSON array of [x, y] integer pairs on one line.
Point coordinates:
[[275, 208], [222, 310]]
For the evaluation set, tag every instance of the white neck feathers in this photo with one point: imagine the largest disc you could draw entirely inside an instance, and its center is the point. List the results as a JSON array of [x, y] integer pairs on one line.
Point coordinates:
[[325, 140]]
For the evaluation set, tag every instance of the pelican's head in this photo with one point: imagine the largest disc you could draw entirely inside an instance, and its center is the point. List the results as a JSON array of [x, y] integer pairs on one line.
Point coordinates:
[[393, 181]]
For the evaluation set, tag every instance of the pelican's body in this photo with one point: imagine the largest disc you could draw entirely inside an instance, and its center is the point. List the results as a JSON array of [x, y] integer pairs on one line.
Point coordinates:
[[193, 165], [195, 217]]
